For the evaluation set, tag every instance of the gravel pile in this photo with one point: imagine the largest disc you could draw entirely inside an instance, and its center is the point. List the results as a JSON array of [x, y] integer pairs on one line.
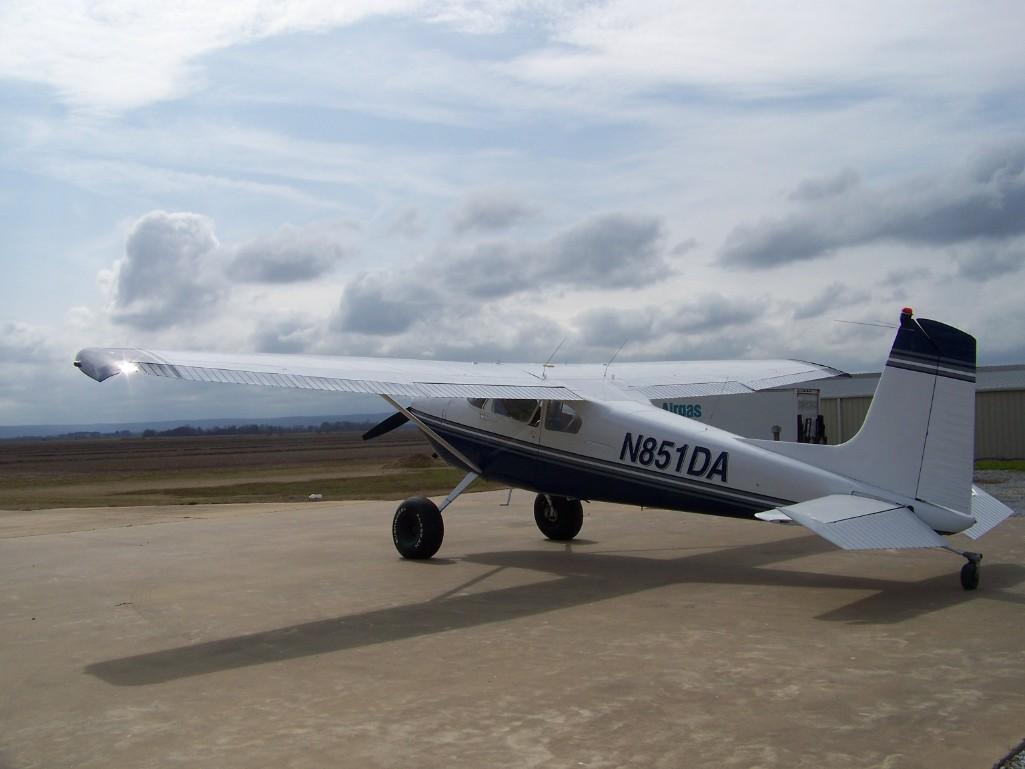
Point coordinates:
[[1007, 486]]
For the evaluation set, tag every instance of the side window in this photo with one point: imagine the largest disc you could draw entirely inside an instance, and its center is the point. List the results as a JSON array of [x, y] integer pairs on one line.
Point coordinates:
[[520, 410], [477, 403], [562, 418]]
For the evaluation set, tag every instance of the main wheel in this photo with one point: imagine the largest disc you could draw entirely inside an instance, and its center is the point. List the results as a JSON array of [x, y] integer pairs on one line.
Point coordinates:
[[417, 528], [970, 575], [558, 518]]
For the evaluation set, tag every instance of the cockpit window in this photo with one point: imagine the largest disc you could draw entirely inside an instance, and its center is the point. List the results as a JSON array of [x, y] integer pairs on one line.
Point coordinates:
[[521, 410], [477, 403], [562, 418]]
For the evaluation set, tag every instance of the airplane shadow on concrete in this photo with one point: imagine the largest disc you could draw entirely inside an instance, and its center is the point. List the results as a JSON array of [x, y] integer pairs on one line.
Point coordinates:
[[582, 578]]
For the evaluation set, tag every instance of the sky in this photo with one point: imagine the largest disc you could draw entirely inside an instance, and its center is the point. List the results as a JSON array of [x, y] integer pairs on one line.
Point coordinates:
[[482, 181]]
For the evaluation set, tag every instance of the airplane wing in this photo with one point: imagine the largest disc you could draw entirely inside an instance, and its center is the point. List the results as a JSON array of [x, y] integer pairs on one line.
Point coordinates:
[[861, 523], [447, 379]]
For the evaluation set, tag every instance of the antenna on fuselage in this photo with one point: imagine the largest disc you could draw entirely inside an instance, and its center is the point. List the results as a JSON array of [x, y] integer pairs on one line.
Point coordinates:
[[548, 363], [618, 350], [880, 324]]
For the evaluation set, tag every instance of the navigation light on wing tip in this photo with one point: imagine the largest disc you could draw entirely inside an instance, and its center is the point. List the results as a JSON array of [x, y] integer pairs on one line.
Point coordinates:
[[127, 367]]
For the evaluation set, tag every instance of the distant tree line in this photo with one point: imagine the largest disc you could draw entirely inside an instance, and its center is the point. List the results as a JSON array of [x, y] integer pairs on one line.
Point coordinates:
[[190, 431], [257, 429]]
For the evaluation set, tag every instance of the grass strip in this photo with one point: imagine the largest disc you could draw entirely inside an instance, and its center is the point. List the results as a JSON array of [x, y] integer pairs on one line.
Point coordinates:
[[426, 482], [1016, 465]]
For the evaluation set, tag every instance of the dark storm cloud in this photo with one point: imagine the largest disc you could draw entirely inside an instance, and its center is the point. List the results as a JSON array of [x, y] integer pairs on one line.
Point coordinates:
[[826, 187], [165, 277], [491, 213], [290, 255], [610, 251], [832, 296], [986, 204]]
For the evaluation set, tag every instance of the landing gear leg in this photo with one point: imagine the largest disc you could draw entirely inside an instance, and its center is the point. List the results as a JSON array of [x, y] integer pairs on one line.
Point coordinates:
[[970, 571]]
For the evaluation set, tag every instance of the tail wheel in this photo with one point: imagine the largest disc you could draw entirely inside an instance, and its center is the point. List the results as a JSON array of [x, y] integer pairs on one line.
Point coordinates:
[[558, 518], [417, 528], [970, 575]]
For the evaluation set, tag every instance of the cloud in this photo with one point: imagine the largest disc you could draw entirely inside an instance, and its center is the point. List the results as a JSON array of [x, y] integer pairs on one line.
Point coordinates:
[[684, 247], [987, 262], [25, 343], [986, 203], [408, 223], [601, 327], [695, 323], [293, 333], [120, 56], [710, 313], [491, 213], [832, 296], [290, 255], [383, 305], [825, 187], [168, 275], [608, 251]]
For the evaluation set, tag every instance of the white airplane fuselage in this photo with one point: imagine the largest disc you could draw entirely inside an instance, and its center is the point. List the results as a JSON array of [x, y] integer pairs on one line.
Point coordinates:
[[634, 453]]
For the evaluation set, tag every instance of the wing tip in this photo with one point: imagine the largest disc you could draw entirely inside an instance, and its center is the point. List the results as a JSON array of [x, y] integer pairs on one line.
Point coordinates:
[[97, 363]]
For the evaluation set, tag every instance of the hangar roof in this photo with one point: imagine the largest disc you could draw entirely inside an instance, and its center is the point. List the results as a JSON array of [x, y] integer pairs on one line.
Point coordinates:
[[988, 378]]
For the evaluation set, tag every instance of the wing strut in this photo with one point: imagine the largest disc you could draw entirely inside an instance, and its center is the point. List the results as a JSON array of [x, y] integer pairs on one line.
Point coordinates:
[[433, 435], [459, 489]]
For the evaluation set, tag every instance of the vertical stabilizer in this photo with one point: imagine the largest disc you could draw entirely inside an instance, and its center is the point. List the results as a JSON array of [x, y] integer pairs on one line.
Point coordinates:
[[918, 437], [949, 452]]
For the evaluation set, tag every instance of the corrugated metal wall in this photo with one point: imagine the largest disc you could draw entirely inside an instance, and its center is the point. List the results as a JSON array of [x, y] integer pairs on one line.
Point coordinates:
[[843, 416], [1000, 425], [999, 422]]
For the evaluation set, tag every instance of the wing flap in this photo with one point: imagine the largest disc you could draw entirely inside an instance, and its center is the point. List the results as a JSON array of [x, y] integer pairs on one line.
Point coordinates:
[[861, 523]]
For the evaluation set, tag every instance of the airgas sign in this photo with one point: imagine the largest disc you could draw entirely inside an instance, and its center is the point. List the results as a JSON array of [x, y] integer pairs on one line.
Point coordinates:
[[689, 410]]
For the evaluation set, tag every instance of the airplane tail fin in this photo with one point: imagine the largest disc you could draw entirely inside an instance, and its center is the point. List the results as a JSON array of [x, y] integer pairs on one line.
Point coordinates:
[[918, 437]]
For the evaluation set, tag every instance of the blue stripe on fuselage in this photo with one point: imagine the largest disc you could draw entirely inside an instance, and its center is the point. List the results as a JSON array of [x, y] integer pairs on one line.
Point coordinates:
[[553, 471]]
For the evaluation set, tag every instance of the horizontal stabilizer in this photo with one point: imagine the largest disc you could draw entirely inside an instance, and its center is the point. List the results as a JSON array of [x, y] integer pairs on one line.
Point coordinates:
[[774, 516], [861, 523], [987, 512]]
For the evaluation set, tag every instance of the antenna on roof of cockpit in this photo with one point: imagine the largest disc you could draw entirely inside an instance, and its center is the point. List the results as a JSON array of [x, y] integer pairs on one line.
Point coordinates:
[[548, 363], [618, 350]]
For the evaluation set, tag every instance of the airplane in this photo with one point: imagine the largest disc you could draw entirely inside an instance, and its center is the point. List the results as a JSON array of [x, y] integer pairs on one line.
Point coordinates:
[[581, 432]]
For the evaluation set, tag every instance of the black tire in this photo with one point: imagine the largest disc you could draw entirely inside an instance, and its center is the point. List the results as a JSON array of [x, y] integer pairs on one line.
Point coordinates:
[[417, 528], [560, 518], [970, 575]]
